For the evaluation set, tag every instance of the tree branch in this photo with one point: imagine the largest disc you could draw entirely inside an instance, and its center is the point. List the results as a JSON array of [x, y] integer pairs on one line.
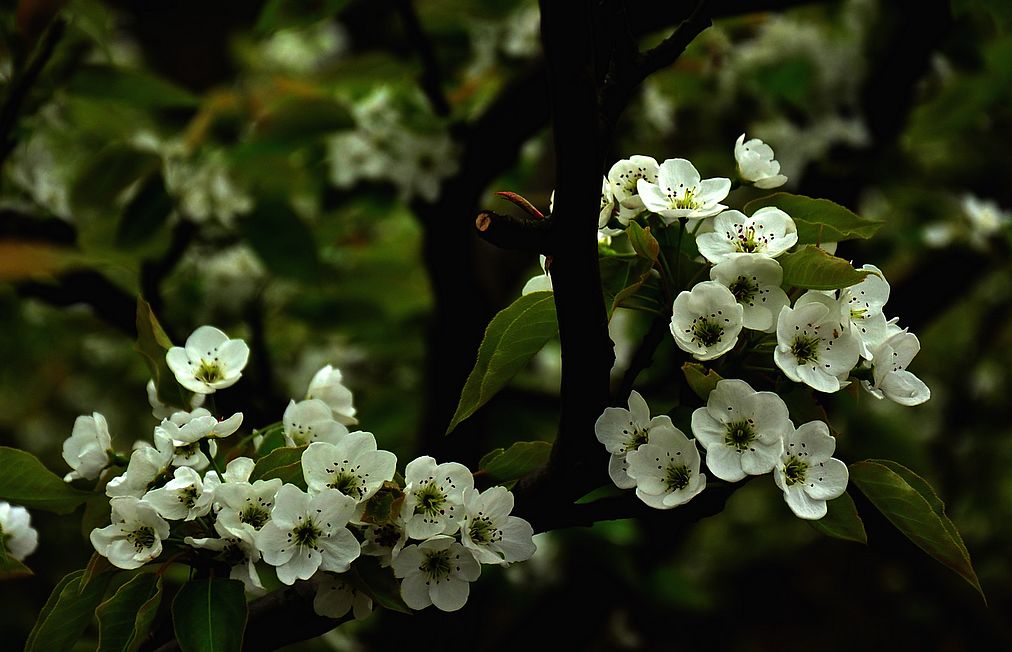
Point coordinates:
[[518, 233], [431, 79]]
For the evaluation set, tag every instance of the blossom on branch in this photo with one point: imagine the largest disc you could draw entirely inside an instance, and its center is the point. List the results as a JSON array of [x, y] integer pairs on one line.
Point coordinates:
[[681, 192]]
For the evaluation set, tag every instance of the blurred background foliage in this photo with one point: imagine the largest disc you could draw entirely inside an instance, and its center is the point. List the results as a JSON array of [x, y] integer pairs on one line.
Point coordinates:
[[284, 171]]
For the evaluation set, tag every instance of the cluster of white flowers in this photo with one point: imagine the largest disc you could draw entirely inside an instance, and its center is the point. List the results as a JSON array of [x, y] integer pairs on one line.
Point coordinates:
[[982, 220], [744, 432], [384, 148], [822, 340], [433, 532]]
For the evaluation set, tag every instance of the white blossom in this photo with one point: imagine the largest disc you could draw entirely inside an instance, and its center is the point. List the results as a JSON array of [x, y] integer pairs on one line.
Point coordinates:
[[813, 347], [680, 192], [335, 597], [182, 497], [160, 410], [807, 472], [741, 429], [769, 232], [436, 571], [311, 420], [210, 360], [326, 386], [244, 506], [148, 465], [666, 470], [238, 550], [756, 164], [434, 497], [135, 536], [87, 449], [199, 424], [985, 217], [490, 533], [755, 283], [706, 321], [541, 282], [861, 307], [889, 370], [17, 536], [622, 431], [624, 176], [307, 533], [353, 466], [384, 541]]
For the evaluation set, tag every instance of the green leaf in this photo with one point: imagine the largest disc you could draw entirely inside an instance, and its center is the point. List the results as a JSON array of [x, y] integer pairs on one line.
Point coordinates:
[[66, 614], [818, 220], [512, 338], [643, 243], [125, 619], [11, 568], [385, 505], [210, 616], [701, 380], [621, 278], [97, 566], [812, 268], [282, 241], [914, 514], [841, 521], [284, 463], [25, 481], [503, 466], [108, 173], [295, 123], [379, 583], [146, 213], [133, 87], [153, 344]]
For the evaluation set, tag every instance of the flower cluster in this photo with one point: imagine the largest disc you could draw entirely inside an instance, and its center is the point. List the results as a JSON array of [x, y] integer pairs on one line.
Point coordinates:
[[823, 339], [17, 536], [433, 531]]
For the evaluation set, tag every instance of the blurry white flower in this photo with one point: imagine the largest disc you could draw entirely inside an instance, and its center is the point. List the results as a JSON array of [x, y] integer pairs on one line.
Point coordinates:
[[18, 536], [326, 386], [756, 164], [311, 420], [160, 410]]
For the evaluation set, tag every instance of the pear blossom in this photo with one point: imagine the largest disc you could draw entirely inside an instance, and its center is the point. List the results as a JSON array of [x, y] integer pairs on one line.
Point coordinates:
[[624, 176], [741, 429], [623, 431], [755, 283], [17, 536], [353, 466], [490, 533], [210, 360], [307, 533], [681, 192], [666, 470], [541, 282], [311, 420], [87, 449], [807, 472], [148, 465], [238, 550], [813, 347], [756, 164], [434, 497], [244, 506], [436, 571], [335, 597], [889, 370], [769, 231], [706, 321], [191, 427], [135, 536], [384, 541], [326, 386], [160, 410], [861, 305], [985, 217], [182, 497]]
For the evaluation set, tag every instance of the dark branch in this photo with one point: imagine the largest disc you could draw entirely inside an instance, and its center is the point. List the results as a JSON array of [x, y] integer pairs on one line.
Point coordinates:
[[518, 233], [642, 357], [22, 85], [110, 303], [431, 79]]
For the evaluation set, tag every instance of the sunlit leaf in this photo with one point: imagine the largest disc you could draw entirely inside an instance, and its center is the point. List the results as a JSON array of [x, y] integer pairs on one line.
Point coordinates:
[[914, 515], [512, 338], [818, 220], [812, 268], [700, 379], [502, 466]]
